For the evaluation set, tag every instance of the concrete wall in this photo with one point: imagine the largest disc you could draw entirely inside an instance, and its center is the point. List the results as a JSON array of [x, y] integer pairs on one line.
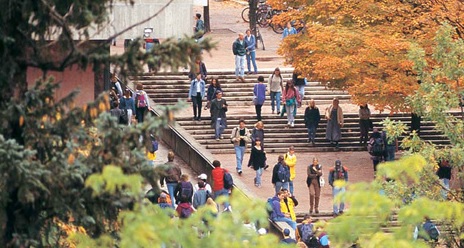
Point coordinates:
[[175, 21]]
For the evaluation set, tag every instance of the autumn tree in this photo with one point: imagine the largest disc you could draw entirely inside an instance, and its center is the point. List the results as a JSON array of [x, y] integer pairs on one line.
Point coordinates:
[[362, 46], [49, 147]]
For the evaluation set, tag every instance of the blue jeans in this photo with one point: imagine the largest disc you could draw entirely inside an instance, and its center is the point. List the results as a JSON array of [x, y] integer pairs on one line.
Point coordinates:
[[222, 192], [239, 153], [239, 66], [280, 185], [312, 132], [301, 89], [275, 98], [252, 56], [259, 172], [290, 185], [338, 208], [445, 182], [171, 189], [219, 128], [289, 221], [390, 153]]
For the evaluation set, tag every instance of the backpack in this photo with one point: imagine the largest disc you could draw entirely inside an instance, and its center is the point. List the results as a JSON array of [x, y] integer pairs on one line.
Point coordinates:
[[123, 117], [269, 208], [313, 242], [431, 230], [186, 191], [141, 101], [306, 233], [377, 147], [228, 180], [154, 146], [185, 213], [283, 173]]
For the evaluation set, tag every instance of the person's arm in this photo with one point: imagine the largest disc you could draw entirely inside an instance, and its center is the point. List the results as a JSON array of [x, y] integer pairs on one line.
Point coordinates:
[[252, 156], [191, 89], [234, 48], [205, 72], [331, 178], [318, 116], [340, 114], [346, 175]]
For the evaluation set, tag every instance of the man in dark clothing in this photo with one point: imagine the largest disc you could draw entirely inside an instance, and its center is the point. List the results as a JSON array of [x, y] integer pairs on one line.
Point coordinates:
[[444, 174], [218, 115], [239, 50], [338, 172], [287, 239], [199, 28], [280, 175], [299, 82], [171, 176]]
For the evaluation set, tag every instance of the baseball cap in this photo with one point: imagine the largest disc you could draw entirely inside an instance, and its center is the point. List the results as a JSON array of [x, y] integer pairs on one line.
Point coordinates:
[[338, 162], [203, 176], [286, 232]]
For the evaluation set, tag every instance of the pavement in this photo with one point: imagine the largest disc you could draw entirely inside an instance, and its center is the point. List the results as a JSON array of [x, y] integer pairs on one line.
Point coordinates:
[[226, 23]]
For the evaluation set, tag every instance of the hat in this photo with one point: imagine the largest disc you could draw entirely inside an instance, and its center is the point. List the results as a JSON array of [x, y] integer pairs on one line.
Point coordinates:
[[163, 195], [261, 79], [203, 176], [286, 232], [338, 162]]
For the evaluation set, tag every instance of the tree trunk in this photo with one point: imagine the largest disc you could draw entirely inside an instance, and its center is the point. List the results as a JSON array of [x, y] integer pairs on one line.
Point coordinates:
[[206, 17], [253, 4]]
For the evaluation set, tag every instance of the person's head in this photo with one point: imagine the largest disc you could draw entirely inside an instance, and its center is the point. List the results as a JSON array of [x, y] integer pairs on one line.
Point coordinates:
[[291, 150], [289, 83], [170, 156], [286, 232], [281, 195], [184, 178], [335, 102], [114, 79], [289, 25], [308, 218], [363, 106], [216, 163], [277, 71], [162, 198], [215, 82], [259, 125], [240, 36], [280, 158], [248, 32], [241, 123], [198, 76], [139, 86], [376, 134], [127, 93], [201, 184], [218, 94], [338, 164], [197, 16], [286, 192], [315, 161], [203, 177], [258, 141], [260, 79], [312, 103], [115, 104]]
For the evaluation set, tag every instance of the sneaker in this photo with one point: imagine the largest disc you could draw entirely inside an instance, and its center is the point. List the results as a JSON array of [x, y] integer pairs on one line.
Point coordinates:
[[222, 137], [292, 124], [272, 111], [217, 139], [199, 119], [265, 167], [278, 112], [240, 172]]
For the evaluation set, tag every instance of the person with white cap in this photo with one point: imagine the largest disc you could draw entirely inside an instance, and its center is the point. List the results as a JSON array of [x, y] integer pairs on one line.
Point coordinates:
[[203, 178], [338, 173]]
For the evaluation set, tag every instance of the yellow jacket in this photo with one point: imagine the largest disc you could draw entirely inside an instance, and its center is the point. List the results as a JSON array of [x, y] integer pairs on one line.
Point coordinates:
[[290, 209], [291, 162]]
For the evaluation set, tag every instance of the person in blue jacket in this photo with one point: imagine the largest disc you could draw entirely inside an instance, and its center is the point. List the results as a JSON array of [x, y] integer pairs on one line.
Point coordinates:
[[196, 94], [259, 95], [250, 43], [277, 214], [289, 30]]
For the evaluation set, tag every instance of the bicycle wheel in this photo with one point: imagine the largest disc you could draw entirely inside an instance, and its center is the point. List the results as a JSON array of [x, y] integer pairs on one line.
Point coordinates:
[[246, 14], [277, 28], [262, 21]]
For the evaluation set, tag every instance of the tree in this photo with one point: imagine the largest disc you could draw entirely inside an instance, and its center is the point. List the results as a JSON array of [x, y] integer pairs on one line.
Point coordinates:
[[49, 147], [409, 188], [362, 46]]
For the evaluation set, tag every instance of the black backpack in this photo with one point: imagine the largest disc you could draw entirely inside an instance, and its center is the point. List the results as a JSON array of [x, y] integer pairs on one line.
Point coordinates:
[[186, 192], [228, 180], [124, 117], [377, 147]]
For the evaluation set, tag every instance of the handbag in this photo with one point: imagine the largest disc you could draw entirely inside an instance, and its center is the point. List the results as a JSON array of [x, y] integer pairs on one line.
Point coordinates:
[[321, 181]]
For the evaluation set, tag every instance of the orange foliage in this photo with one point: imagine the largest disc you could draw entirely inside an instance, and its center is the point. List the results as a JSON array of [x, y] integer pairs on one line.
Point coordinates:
[[362, 45]]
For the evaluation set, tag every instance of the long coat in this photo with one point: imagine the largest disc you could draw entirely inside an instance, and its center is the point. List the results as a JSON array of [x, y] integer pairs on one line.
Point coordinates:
[[218, 110]]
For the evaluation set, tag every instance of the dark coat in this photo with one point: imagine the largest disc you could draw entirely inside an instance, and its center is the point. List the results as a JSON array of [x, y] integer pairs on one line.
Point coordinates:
[[257, 158], [218, 110], [312, 116]]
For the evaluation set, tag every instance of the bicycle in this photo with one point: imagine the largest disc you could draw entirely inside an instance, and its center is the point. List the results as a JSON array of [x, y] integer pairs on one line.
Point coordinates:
[[261, 8], [259, 38]]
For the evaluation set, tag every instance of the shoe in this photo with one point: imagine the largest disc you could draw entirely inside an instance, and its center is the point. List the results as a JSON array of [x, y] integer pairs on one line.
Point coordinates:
[[222, 137], [312, 142], [240, 172], [317, 211], [278, 112], [199, 119], [340, 212], [335, 215], [248, 73], [217, 139], [254, 180], [255, 72], [272, 111], [237, 78], [309, 140], [265, 167], [310, 211], [242, 79], [195, 118], [292, 124]]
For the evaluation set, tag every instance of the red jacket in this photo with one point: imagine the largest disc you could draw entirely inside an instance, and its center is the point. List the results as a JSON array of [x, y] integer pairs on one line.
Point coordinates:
[[218, 178]]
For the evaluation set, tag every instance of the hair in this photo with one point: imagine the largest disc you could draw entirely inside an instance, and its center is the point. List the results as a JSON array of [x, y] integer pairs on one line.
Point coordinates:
[[201, 184], [139, 86], [218, 85], [198, 15], [216, 163], [247, 30], [280, 193], [290, 81], [364, 107], [259, 123], [184, 177], [335, 100], [312, 103], [127, 93], [291, 148], [280, 158], [307, 216], [315, 159], [241, 120], [260, 79], [115, 104], [170, 156]]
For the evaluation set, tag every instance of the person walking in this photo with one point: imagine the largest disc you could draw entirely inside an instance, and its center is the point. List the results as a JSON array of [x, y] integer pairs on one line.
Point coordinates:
[[199, 28], [250, 41], [275, 82], [142, 105], [213, 87], [312, 117], [258, 133], [218, 183], [200, 196], [184, 190], [259, 96], [288, 30], [240, 137], [128, 103], [198, 67], [239, 50], [280, 175], [196, 94], [334, 116], [291, 98], [171, 175], [376, 148], [290, 161], [444, 175], [336, 173], [313, 182], [218, 115], [257, 161], [300, 82], [364, 123]]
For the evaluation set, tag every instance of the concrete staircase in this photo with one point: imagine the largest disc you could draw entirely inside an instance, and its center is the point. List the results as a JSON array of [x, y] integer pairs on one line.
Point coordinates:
[[168, 88]]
